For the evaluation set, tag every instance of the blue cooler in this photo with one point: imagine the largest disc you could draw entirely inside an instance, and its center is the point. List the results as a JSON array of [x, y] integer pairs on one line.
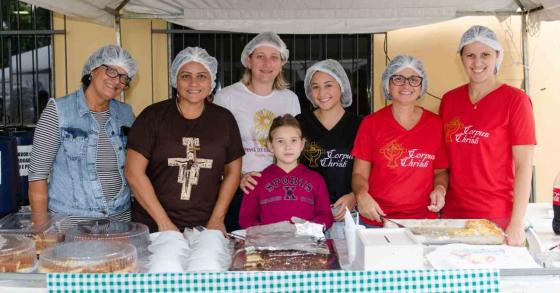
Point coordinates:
[[9, 175]]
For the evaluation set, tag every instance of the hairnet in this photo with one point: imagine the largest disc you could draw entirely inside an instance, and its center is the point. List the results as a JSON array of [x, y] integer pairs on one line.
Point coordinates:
[[486, 36], [399, 63], [110, 55], [195, 54], [269, 39], [334, 69]]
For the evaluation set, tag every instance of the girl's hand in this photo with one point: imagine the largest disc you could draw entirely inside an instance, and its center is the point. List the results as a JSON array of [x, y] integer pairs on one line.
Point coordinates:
[[248, 182], [347, 201], [369, 208]]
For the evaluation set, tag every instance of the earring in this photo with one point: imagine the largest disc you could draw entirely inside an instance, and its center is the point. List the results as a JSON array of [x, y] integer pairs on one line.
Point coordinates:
[[89, 78]]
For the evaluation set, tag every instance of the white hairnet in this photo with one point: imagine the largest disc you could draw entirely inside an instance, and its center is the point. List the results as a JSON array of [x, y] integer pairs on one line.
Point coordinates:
[[269, 39], [195, 54], [334, 69], [110, 55], [399, 63], [482, 34]]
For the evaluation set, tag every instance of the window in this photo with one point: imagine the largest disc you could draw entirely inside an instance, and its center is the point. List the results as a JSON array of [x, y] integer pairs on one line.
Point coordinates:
[[352, 51], [26, 62]]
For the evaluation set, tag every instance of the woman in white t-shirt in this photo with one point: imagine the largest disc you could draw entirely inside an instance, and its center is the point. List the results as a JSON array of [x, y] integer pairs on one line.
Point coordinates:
[[260, 96]]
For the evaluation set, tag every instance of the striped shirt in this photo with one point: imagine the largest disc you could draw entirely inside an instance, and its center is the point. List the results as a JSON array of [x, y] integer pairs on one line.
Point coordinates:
[[43, 154]]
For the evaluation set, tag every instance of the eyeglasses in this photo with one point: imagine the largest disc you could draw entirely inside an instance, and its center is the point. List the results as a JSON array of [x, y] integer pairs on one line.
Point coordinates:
[[401, 80], [112, 73]]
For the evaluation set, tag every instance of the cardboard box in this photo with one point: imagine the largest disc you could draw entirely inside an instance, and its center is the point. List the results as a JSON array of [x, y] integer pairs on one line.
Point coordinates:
[[388, 249]]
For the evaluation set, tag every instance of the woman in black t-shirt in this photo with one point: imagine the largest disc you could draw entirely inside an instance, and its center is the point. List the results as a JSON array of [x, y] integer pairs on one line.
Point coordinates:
[[330, 131], [184, 155]]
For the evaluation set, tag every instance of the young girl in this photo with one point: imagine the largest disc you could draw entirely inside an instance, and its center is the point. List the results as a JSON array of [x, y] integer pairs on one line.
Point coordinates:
[[286, 188]]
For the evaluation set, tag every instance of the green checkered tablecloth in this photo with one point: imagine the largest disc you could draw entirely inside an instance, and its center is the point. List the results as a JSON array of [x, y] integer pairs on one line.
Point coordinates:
[[290, 281]]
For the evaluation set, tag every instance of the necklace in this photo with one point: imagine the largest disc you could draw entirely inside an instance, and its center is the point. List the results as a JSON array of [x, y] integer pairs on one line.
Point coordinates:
[[183, 114]]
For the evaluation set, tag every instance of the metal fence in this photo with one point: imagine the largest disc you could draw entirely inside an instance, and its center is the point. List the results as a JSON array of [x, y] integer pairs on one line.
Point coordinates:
[[26, 62], [354, 52]]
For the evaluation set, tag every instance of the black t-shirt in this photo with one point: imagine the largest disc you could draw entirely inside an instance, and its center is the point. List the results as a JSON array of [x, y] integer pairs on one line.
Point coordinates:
[[329, 151], [186, 159]]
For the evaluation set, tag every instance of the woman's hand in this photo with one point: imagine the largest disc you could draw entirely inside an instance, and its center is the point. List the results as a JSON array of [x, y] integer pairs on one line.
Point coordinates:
[[515, 235], [347, 201], [369, 208], [216, 225], [167, 226], [437, 199], [248, 182]]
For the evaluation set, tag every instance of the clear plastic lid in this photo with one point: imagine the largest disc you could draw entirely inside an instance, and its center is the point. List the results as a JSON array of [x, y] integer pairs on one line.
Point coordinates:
[[89, 257], [28, 224], [17, 254], [136, 234], [46, 229]]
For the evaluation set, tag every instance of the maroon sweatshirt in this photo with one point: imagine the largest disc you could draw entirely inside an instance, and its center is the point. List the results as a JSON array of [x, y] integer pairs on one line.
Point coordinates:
[[279, 196]]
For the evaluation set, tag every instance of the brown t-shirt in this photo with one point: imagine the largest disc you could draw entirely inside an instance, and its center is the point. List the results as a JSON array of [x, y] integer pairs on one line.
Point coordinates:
[[186, 159]]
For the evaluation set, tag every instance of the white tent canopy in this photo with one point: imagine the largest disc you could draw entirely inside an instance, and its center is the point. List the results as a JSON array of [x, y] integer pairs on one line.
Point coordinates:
[[297, 16]]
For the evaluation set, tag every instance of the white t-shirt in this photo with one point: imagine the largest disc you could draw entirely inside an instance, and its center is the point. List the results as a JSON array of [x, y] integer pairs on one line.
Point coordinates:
[[254, 115]]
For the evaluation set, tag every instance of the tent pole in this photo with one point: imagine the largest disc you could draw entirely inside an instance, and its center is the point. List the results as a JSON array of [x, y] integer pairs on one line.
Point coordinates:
[[526, 79], [117, 14]]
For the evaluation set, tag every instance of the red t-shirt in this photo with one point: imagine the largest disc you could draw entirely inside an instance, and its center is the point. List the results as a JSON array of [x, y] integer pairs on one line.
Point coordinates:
[[402, 162], [479, 139]]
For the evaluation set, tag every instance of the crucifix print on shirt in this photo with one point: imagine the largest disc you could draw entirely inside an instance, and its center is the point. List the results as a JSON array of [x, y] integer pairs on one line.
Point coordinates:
[[189, 166]]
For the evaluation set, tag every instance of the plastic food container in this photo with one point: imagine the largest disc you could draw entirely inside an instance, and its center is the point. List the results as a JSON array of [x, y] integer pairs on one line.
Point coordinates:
[[89, 257], [125, 232], [17, 254], [49, 233]]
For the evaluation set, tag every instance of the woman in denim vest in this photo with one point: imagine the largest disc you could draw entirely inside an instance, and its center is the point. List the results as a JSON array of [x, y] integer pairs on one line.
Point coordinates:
[[77, 160]]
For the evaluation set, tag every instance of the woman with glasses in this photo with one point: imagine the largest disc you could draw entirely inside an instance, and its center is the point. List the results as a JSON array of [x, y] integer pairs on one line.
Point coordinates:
[[184, 154], [78, 154], [490, 136], [399, 156]]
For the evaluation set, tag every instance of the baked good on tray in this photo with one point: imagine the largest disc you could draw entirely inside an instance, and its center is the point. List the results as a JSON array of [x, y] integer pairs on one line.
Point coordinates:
[[89, 257], [17, 254], [285, 260], [477, 227]]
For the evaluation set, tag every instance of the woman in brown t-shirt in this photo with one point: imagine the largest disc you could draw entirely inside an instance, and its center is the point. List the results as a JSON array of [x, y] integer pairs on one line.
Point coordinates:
[[184, 154]]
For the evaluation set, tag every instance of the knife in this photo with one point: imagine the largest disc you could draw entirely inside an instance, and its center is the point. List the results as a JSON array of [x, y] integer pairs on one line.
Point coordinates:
[[391, 221]]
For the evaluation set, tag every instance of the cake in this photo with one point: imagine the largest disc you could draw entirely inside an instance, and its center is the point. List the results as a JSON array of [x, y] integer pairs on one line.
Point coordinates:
[[89, 257], [17, 254], [50, 232], [279, 260]]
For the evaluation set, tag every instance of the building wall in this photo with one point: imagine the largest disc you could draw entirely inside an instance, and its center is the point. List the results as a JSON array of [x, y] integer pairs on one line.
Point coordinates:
[[434, 44], [83, 38]]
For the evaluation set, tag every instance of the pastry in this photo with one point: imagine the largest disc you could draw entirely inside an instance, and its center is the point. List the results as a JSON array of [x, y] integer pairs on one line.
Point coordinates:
[[89, 257], [17, 254]]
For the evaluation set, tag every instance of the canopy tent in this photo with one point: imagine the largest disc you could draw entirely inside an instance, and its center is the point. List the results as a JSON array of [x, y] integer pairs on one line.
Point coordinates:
[[298, 16]]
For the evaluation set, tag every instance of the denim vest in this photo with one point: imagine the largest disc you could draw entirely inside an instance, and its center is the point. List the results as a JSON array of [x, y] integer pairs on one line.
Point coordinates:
[[74, 187]]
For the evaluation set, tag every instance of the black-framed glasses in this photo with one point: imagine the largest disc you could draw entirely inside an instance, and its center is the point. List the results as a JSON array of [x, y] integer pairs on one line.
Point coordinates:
[[414, 80], [112, 73]]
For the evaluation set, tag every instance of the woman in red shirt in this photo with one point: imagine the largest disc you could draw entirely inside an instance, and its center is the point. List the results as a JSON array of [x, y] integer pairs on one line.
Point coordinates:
[[400, 160], [489, 132]]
